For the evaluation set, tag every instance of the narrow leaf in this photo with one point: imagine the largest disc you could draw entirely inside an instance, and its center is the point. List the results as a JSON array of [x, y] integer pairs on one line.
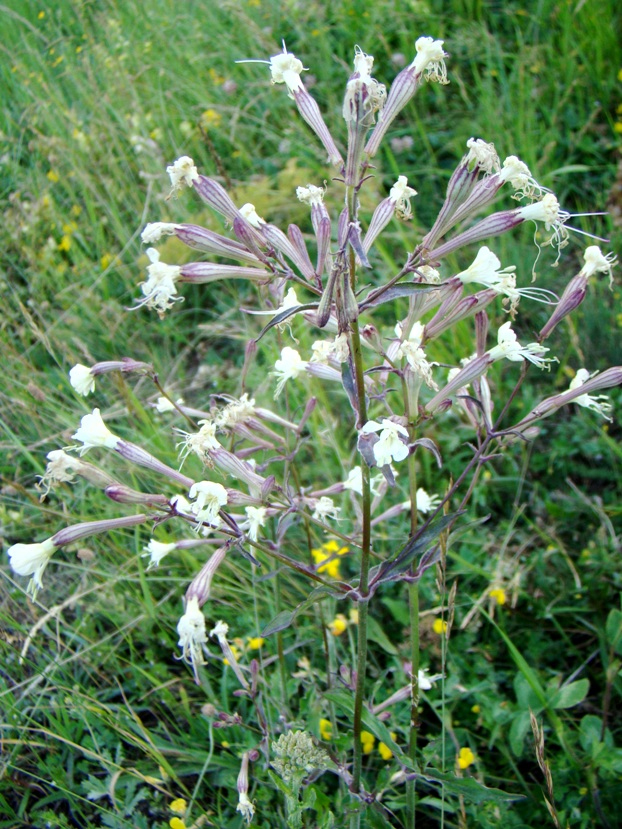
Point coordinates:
[[288, 312]]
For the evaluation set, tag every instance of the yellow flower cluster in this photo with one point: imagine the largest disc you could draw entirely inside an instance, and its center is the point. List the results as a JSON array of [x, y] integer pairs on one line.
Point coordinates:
[[439, 626], [465, 758], [340, 623], [367, 740], [329, 553], [384, 750], [499, 595]]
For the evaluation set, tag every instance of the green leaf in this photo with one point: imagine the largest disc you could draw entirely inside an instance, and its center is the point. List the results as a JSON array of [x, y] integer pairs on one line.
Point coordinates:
[[284, 619], [377, 635], [525, 695], [518, 731], [466, 787], [415, 545], [591, 729], [460, 786], [571, 694], [346, 702], [397, 292], [613, 629], [288, 312]]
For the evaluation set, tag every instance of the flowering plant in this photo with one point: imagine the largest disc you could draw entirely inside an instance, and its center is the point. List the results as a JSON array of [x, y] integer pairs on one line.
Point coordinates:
[[392, 392]]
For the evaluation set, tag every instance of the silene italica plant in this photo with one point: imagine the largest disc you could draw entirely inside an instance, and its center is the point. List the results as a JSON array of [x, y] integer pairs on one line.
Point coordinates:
[[393, 397]]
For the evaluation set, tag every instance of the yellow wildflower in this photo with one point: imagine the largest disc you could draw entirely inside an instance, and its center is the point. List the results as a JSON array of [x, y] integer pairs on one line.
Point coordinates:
[[384, 750], [76, 209], [439, 626], [326, 729], [215, 78], [255, 642], [465, 758], [583, 790], [620, 75], [328, 552], [105, 261], [178, 806], [367, 741], [338, 625], [65, 243], [210, 118], [499, 594], [176, 823], [53, 176], [41, 15], [617, 127], [476, 709], [225, 744]]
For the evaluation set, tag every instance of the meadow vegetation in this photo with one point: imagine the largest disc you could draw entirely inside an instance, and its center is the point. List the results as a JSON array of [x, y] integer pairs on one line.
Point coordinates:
[[101, 726]]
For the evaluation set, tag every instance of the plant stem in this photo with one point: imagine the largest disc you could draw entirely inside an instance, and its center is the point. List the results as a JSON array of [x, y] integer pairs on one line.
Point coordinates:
[[363, 588], [410, 408]]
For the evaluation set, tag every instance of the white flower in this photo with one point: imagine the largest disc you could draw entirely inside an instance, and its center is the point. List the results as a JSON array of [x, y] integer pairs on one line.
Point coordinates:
[[414, 354], [325, 508], [163, 404], [429, 273], [220, 630], [598, 403], [192, 635], [60, 468], [250, 214], [181, 504], [390, 446], [310, 194], [425, 502], [485, 270], [518, 174], [482, 155], [363, 91], [200, 442], [182, 172], [256, 519], [237, 411], [154, 230], [160, 290], [354, 481], [424, 681], [286, 68], [81, 379], [209, 498], [289, 366], [547, 210], [597, 262], [429, 59], [157, 550], [509, 348], [31, 560], [322, 350], [94, 432], [245, 807], [400, 193]]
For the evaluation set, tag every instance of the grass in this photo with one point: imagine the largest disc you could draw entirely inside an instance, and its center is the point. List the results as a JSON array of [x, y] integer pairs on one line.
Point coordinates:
[[101, 727]]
